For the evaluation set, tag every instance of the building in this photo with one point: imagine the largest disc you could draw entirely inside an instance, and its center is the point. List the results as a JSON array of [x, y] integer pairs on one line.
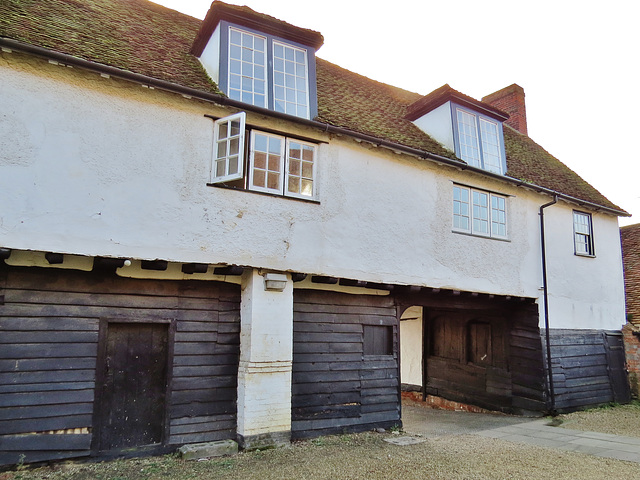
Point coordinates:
[[630, 237], [207, 232]]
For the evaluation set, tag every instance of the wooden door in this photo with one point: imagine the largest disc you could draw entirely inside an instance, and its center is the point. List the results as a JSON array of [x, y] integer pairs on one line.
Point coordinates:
[[131, 403]]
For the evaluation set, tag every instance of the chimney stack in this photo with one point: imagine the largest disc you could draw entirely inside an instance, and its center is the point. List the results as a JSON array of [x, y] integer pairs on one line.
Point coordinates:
[[510, 100]]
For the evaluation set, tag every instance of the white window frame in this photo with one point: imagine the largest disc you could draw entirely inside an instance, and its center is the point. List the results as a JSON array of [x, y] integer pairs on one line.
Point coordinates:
[[490, 161], [474, 211], [265, 66], [281, 165], [479, 141], [289, 174], [217, 141], [295, 75], [583, 234]]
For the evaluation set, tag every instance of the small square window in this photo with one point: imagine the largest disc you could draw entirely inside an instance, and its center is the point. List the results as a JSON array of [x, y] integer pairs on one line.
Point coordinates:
[[378, 340], [583, 234]]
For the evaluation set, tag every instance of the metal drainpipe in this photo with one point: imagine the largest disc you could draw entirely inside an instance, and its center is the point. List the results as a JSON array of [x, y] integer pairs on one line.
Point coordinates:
[[552, 398]]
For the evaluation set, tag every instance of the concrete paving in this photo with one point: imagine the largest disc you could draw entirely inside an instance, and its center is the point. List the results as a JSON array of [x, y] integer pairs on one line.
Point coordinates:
[[431, 423]]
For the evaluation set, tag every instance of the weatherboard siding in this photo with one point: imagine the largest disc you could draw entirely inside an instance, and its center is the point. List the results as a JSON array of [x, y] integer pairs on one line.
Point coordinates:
[[337, 387], [49, 341]]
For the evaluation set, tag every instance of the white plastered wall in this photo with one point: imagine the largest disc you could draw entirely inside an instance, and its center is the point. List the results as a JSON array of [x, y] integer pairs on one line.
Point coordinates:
[[98, 166], [584, 292]]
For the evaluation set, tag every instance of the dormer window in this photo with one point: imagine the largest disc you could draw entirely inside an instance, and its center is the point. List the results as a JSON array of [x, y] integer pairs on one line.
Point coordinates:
[[260, 60], [479, 141], [472, 129]]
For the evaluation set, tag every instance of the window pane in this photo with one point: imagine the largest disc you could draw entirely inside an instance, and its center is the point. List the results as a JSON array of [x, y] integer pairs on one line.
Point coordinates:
[[274, 180], [220, 168], [307, 153], [275, 145], [259, 178], [274, 162], [293, 185], [260, 160], [233, 165], [307, 169], [294, 167], [306, 188]]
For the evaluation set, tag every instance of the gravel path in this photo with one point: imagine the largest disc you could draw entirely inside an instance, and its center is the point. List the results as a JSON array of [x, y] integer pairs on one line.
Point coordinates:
[[368, 456], [619, 420]]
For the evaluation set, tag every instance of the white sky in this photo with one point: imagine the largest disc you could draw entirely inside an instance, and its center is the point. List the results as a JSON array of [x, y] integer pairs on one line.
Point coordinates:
[[577, 60]]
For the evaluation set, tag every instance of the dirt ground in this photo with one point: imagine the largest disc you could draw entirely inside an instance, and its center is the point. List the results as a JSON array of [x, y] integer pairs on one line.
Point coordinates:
[[368, 456]]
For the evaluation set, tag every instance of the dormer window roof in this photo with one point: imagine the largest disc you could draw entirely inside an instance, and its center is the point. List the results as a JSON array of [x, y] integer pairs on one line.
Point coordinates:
[[260, 60], [471, 128]]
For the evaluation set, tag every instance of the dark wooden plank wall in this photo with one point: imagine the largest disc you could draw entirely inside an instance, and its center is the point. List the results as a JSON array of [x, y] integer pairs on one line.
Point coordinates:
[[335, 386], [451, 370], [582, 364], [49, 326], [526, 360]]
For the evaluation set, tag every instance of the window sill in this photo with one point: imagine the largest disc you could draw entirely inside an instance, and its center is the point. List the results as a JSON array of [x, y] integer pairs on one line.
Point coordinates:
[[475, 235], [584, 255], [265, 194]]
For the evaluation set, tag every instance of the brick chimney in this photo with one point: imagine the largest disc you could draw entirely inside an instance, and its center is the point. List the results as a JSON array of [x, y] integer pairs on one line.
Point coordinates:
[[510, 100]]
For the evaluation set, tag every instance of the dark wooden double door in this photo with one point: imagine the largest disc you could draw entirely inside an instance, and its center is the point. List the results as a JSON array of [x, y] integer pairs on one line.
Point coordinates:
[[131, 394]]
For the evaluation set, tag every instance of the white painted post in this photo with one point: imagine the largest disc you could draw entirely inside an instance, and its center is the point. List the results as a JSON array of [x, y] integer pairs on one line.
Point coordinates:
[[266, 356]]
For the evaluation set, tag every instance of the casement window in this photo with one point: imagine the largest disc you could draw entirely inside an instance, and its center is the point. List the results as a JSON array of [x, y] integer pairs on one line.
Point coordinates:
[[583, 234], [479, 141], [268, 73], [275, 164], [479, 213], [247, 67], [228, 148], [290, 80]]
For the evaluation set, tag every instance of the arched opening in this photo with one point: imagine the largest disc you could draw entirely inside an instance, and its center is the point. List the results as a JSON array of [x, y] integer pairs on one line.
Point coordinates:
[[411, 349]]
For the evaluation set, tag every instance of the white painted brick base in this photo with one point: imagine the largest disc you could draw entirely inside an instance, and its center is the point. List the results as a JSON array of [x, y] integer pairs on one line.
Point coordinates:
[[266, 353]]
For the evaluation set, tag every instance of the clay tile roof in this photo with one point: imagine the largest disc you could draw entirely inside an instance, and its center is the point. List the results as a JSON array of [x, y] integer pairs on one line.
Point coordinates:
[[142, 37], [354, 102], [134, 35], [630, 237]]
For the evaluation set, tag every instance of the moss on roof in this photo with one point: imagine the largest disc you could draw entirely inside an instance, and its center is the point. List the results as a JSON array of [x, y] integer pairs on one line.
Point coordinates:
[[148, 39], [355, 102], [630, 237], [529, 162], [134, 35]]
